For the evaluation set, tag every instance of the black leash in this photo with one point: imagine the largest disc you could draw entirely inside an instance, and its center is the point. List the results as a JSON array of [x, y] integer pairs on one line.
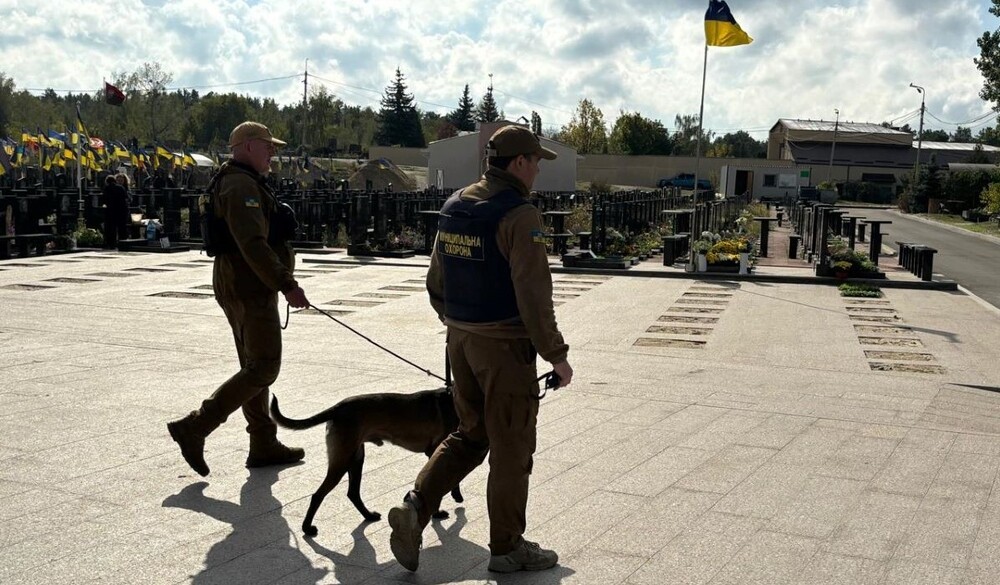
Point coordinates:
[[551, 378], [288, 309]]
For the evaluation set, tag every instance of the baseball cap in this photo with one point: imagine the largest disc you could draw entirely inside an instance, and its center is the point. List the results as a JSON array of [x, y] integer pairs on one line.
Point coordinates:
[[513, 140], [248, 131]]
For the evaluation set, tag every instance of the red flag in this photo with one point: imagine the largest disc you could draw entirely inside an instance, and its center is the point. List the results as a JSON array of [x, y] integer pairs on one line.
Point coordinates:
[[113, 95]]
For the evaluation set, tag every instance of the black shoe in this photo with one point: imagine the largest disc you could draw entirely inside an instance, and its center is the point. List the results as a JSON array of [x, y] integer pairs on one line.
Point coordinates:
[[192, 443], [274, 453]]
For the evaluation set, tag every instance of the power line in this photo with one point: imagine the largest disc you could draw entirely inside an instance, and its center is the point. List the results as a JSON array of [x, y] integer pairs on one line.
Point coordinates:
[[230, 84]]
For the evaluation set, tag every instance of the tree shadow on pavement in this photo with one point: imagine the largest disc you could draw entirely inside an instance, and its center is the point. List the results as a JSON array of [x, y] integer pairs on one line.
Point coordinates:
[[257, 550]]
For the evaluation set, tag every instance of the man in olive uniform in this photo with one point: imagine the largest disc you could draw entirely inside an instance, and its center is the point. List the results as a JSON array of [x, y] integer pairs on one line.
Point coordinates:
[[253, 262], [489, 281]]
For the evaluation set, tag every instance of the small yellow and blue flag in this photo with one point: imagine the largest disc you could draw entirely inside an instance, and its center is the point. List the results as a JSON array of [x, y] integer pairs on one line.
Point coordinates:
[[721, 29]]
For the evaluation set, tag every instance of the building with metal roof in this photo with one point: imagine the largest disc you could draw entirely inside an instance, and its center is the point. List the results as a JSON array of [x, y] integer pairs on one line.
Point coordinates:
[[853, 144]]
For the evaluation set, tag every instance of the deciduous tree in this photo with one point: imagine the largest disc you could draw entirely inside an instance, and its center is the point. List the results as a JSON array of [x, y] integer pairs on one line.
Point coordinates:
[[586, 131]]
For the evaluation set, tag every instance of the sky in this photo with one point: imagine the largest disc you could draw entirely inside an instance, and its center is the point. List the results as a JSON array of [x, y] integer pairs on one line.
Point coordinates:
[[808, 59]]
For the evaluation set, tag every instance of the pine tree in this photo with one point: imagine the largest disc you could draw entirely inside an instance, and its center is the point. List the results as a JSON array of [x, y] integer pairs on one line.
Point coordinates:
[[399, 121], [462, 118], [487, 111]]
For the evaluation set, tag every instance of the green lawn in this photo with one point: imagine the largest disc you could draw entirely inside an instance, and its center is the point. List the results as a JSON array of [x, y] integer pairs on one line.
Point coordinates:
[[986, 227]]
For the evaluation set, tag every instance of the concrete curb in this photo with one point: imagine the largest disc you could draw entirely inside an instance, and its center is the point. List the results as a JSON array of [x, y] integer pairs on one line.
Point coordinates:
[[952, 228]]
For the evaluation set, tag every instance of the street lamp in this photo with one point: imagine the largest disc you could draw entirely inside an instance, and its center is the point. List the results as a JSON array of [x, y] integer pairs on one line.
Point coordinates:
[[833, 146], [920, 133]]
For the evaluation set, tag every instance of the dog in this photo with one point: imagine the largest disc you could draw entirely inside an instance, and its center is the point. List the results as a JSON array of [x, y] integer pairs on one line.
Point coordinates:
[[417, 422]]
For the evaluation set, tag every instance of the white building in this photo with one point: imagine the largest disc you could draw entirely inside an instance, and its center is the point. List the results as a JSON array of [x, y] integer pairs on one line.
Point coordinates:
[[453, 163]]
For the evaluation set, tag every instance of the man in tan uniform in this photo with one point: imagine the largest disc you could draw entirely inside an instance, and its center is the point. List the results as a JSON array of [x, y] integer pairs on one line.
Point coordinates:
[[253, 262], [489, 281]]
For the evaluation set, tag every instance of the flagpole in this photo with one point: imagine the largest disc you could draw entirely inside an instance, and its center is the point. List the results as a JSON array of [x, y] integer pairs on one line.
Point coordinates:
[[697, 156], [80, 222]]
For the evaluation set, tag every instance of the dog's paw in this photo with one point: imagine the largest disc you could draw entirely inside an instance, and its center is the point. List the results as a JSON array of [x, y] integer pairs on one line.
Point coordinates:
[[309, 530], [373, 517], [440, 515]]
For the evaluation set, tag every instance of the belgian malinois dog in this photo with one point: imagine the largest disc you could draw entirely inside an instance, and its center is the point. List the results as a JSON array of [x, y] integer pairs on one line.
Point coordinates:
[[417, 422]]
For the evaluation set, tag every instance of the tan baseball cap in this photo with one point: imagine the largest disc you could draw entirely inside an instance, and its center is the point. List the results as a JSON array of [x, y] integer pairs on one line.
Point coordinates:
[[513, 140], [248, 131]]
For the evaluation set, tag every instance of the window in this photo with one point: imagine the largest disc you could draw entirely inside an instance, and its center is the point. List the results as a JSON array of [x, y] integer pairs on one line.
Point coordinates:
[[770, 180]]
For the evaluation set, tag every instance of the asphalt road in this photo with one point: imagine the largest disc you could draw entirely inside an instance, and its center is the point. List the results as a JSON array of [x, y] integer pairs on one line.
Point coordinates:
[[970, 260]]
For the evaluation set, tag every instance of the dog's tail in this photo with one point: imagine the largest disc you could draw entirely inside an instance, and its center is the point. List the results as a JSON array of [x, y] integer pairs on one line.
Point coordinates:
[[298, 425]]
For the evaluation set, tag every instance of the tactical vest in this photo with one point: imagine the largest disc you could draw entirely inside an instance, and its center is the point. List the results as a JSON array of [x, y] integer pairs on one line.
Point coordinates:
[[216, 236], [477, 283]]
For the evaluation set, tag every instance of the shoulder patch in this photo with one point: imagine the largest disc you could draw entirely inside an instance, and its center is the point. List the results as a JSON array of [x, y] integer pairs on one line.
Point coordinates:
[[252, 201], [538, 237]]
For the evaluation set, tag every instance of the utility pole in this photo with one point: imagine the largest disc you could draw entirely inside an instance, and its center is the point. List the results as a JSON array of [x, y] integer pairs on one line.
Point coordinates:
[[833, 146], [920, 133], [305, 105]]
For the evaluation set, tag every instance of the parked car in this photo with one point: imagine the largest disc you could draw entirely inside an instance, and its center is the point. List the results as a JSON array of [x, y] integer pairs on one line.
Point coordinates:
[[684, 181]]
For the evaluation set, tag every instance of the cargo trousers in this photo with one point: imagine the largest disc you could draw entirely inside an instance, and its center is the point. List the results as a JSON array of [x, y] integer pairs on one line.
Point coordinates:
[[496, 398], [256, 327]]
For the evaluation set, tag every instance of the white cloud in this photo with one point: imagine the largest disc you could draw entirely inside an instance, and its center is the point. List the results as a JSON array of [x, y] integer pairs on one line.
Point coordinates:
[[808, 57]]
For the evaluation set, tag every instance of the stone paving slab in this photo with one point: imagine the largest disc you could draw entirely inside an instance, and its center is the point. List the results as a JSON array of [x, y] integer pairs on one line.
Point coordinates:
[[772, 452]]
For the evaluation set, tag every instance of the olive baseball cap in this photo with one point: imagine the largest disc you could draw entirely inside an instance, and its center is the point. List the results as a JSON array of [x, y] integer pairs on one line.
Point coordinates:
[[248, 131], [513, 140]]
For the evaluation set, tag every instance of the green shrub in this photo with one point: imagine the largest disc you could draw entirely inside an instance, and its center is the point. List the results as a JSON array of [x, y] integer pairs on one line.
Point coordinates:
[[88, 238], [850, 289]]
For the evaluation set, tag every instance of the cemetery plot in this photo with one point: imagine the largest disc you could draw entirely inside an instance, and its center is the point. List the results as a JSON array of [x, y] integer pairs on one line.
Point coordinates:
[[882, 330], [398, 287], [112, 274], [681, 343], [686, 319], [580, 281], [905, 356], [683, 324], [706, 295], [26, 287], [68, 280], [677, 330], [353, 303], [871, 310], [908, 368], [144, 269], [311, 311], [374, 295], [699, 310], [700, 302], [891, 341], [879, 310], [876, 318], [182, 295]]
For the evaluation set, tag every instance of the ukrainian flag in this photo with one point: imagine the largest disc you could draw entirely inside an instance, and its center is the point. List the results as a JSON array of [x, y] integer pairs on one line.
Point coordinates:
[[721, 29]]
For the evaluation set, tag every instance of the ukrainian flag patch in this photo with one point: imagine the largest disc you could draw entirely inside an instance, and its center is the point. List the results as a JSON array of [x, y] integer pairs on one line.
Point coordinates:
[[252, 202], [538, 237]]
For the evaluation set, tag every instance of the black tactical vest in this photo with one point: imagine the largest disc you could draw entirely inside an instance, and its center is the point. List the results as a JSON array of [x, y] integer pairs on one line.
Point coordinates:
[[477, 283]]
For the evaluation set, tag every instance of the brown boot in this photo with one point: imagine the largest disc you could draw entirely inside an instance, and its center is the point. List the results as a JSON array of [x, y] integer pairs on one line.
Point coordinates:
[[187, 433], [264, 454]]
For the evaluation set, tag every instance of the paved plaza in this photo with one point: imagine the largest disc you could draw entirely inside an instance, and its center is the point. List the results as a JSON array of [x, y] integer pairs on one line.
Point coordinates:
[[716, 432]]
